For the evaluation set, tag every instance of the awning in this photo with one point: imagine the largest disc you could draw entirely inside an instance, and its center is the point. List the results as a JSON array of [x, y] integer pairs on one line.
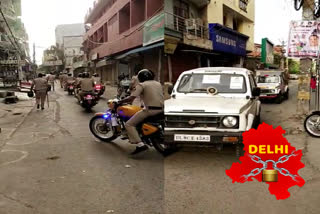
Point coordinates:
[[141, 49], [104, 62]]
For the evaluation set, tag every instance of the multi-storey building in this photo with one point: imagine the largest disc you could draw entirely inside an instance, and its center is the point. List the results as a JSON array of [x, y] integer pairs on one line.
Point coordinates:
[[69, 38], [129, 34], [201, 33], [125, 35], [14, 48]]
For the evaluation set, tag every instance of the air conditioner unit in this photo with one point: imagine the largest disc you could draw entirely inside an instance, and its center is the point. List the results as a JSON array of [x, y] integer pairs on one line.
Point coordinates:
[[192, 24]]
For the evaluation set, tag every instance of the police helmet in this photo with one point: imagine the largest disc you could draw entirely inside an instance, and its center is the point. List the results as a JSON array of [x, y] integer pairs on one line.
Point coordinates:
[[85, 75], [145, 75], [95, 75]]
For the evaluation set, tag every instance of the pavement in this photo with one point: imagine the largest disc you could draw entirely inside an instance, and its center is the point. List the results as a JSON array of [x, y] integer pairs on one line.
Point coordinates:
[[50, 163]]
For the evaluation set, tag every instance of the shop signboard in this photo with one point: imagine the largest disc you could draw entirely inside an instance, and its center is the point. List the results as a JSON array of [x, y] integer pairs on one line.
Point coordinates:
[[52, 63], [227, 40], [267, 56], [12, 62], [153, 30], [304, 39]]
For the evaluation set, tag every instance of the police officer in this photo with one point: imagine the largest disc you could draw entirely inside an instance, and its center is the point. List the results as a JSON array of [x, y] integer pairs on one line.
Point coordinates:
[[40, 86], [152, 95], [51, 80], [69, 80], [86, 84], [77, 83], [134, 82], [96, 78]]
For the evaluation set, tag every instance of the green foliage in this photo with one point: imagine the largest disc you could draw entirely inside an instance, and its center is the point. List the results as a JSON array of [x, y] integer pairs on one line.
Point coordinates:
[[294, 66], [277, 59]]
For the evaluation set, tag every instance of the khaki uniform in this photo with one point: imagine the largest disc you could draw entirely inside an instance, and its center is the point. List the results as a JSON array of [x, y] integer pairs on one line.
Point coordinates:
[[138, 100], [63, 79], [97, 80], [40, 86], [51, 80], [86, 85], [152, 96], [69, 80]]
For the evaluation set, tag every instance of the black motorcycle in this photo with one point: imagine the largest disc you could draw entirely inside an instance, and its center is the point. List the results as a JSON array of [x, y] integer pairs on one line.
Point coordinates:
[[89, 99]]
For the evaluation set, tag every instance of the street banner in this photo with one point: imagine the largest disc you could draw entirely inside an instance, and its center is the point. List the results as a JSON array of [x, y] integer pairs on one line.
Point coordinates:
[[303, 39], [153, 30]]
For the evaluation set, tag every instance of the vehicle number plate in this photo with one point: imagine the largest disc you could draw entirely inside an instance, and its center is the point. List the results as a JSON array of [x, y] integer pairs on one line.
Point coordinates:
[[192, 138]]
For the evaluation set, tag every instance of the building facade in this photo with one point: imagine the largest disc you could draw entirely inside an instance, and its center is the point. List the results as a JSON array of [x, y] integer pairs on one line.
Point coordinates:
[[125, 35], [69, 38], [168, 36], [14, 47], [202, 33]]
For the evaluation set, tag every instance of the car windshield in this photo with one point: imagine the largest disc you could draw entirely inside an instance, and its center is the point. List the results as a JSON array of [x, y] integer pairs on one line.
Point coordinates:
[[268, 79], [224, 83]]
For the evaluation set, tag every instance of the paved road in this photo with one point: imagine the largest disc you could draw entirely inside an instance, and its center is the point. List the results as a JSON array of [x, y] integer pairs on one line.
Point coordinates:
[[52, 164]]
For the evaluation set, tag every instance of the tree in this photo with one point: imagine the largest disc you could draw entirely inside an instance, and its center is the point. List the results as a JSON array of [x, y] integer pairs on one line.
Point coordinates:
[[294, 66]]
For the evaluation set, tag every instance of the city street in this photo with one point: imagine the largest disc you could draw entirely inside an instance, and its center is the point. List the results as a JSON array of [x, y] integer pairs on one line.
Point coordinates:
[[50, 163]]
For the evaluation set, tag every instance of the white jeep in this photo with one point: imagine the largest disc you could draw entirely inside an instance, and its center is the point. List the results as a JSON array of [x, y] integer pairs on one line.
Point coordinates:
[[212, 106]]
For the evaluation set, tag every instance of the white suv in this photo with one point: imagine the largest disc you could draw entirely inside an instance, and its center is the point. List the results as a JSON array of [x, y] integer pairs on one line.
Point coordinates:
[[212, 106]]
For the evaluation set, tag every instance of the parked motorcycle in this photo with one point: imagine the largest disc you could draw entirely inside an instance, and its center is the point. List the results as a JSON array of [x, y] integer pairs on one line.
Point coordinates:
[[123, 88], [89, 100], [99, 89], [111, 125], [312, 124]]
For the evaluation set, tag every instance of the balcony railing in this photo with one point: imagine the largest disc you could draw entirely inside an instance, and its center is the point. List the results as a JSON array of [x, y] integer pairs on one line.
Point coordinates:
[[189, 27]]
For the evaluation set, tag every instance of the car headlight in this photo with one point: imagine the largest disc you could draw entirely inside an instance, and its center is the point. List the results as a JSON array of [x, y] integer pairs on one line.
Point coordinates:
[[230, 121]]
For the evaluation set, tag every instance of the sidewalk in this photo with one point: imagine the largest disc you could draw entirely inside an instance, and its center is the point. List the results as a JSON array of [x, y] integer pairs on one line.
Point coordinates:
[[13, 115]]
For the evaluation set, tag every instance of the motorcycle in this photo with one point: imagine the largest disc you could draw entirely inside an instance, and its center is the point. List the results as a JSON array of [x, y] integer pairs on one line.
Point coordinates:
[[99, 89], [88, 101], [312, 124], [70, 88], [111, 125], [123, 88]]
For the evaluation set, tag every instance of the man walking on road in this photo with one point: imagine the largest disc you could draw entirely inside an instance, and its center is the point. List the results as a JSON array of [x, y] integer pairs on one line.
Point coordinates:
[[40, 86], [51, 80]]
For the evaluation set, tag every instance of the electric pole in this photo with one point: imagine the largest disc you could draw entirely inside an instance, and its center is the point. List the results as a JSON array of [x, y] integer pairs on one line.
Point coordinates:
[[34, 53]]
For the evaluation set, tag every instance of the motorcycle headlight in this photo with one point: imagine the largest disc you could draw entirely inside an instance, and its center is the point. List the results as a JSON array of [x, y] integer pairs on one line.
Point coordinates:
[[230, 121]]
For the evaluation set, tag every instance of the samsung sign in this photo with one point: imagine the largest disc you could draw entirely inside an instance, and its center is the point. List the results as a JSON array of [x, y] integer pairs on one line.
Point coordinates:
[[227, 40]]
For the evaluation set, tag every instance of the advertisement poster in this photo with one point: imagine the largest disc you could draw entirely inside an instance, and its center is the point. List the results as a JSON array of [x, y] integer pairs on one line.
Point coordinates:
[[304, 39]]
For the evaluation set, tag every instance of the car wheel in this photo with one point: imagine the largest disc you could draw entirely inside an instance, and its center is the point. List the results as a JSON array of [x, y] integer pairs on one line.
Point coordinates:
[[286, 95], [279, 99]]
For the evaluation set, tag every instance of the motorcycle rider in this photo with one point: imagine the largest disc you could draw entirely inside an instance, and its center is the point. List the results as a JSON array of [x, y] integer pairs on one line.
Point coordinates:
[[134, 82], [96, 78], [69, 80], [86, 84], [77, 83], [153, 98]]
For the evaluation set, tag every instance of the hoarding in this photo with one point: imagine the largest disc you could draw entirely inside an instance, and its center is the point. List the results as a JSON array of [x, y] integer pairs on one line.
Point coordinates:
[[227, 40], [153, 30], [52, 63], [304, 39], [267, 52]]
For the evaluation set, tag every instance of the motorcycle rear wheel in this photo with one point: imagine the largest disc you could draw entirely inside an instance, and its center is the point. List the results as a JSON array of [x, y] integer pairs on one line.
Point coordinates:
[[98, 128]]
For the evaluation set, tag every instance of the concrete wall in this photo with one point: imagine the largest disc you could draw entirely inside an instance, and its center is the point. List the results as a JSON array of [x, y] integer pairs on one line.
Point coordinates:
[[121, 41], [68, 30]]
